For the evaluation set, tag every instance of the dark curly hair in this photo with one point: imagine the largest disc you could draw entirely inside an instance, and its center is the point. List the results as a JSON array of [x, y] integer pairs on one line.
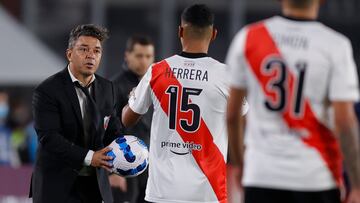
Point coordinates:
[[91, 30]]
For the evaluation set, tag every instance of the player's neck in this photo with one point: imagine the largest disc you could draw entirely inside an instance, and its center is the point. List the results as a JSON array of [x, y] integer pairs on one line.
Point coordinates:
[[195, 47], [309, 13]]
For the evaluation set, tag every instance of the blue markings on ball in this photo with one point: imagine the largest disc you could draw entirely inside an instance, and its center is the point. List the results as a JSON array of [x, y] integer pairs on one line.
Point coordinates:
[[133, 171], [142, 143], [120, 140], [111, 153], [125, 148]]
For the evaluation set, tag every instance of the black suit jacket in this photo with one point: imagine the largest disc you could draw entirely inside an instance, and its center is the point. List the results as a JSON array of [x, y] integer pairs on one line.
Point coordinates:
[[59, 126]]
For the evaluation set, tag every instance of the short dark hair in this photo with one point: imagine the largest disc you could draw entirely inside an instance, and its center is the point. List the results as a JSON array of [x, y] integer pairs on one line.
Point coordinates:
[[91, 30], [300, 3], [198, 15], [138, 39]]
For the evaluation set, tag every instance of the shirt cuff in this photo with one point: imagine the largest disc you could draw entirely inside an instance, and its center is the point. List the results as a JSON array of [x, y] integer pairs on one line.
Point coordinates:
[[88, 158]]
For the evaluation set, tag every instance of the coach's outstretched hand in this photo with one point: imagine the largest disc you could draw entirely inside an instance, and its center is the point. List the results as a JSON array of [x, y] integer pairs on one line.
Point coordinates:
[[100, 159]]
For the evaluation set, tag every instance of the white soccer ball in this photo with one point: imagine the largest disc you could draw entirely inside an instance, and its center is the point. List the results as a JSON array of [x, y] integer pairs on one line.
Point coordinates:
[[130, 156]]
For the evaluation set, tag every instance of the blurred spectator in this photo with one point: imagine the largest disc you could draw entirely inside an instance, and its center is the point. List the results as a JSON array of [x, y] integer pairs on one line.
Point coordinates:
[[31, 140], [8, 156], [19, 120]]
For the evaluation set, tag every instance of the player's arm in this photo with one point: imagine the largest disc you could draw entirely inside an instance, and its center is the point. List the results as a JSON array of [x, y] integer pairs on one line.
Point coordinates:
[[343, 91], [346, 128], [235, 125], [129, 117], [139, 101]]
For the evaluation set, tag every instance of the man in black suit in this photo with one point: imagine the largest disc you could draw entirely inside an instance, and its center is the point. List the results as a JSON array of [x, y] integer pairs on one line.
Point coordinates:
[[74, 113]]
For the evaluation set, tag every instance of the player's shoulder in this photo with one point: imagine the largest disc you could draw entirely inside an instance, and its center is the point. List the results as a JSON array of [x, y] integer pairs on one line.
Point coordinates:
[[316, 29], [215, 68], [332, 35], [216, 63], [258, 25], [240, 36], [164, 62]]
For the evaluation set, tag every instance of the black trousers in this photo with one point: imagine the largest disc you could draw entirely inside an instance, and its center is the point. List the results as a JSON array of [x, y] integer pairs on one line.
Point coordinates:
[[85, 190], [261, 195]]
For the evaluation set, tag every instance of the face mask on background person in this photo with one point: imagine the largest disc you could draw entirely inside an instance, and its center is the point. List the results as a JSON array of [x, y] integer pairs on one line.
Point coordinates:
[[4, 110]]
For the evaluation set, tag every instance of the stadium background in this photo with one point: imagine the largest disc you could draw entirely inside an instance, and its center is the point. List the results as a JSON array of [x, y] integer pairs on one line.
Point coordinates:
[[33, 40]]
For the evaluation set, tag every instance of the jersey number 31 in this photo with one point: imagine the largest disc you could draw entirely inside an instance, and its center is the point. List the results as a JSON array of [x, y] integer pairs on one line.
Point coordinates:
[[279, 85]]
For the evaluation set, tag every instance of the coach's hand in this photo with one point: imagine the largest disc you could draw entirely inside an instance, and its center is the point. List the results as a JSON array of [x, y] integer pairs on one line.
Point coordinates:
[[100, 159], [354, 196]]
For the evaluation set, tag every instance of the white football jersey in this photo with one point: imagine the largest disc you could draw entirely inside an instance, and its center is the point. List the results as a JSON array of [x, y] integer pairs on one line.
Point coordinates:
[[188, 142], [292, 70]]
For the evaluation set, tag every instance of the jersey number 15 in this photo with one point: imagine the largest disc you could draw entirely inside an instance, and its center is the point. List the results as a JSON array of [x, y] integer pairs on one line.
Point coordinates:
[[182, 97]]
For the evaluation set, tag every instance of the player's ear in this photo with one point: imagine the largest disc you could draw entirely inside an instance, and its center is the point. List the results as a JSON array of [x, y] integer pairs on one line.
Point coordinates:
[[214, 34], [181, 32], [68, 54], [126, 55]]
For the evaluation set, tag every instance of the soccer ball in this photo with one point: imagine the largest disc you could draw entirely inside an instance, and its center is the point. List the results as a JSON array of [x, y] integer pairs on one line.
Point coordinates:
[[130, 156]]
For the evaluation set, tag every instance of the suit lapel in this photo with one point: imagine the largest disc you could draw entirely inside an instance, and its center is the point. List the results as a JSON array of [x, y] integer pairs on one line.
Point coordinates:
[[99, 99], [72, 96], [98, 91]]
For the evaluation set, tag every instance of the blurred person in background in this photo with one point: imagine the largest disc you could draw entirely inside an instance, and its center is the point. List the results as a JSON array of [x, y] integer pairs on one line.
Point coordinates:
[[293, 70], [74, 117], [23, 134], [139, 55], [31, 140], [19, 119], [8, 155]]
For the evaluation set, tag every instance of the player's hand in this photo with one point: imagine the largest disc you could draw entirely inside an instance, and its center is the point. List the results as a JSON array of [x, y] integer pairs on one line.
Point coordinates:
[[354, 196], [118, 182], [100, 159], [343, 193], [132, 92]]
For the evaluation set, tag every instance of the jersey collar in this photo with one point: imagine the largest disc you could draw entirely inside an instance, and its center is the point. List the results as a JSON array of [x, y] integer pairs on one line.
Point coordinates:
[[193, 55], [298, 19]]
